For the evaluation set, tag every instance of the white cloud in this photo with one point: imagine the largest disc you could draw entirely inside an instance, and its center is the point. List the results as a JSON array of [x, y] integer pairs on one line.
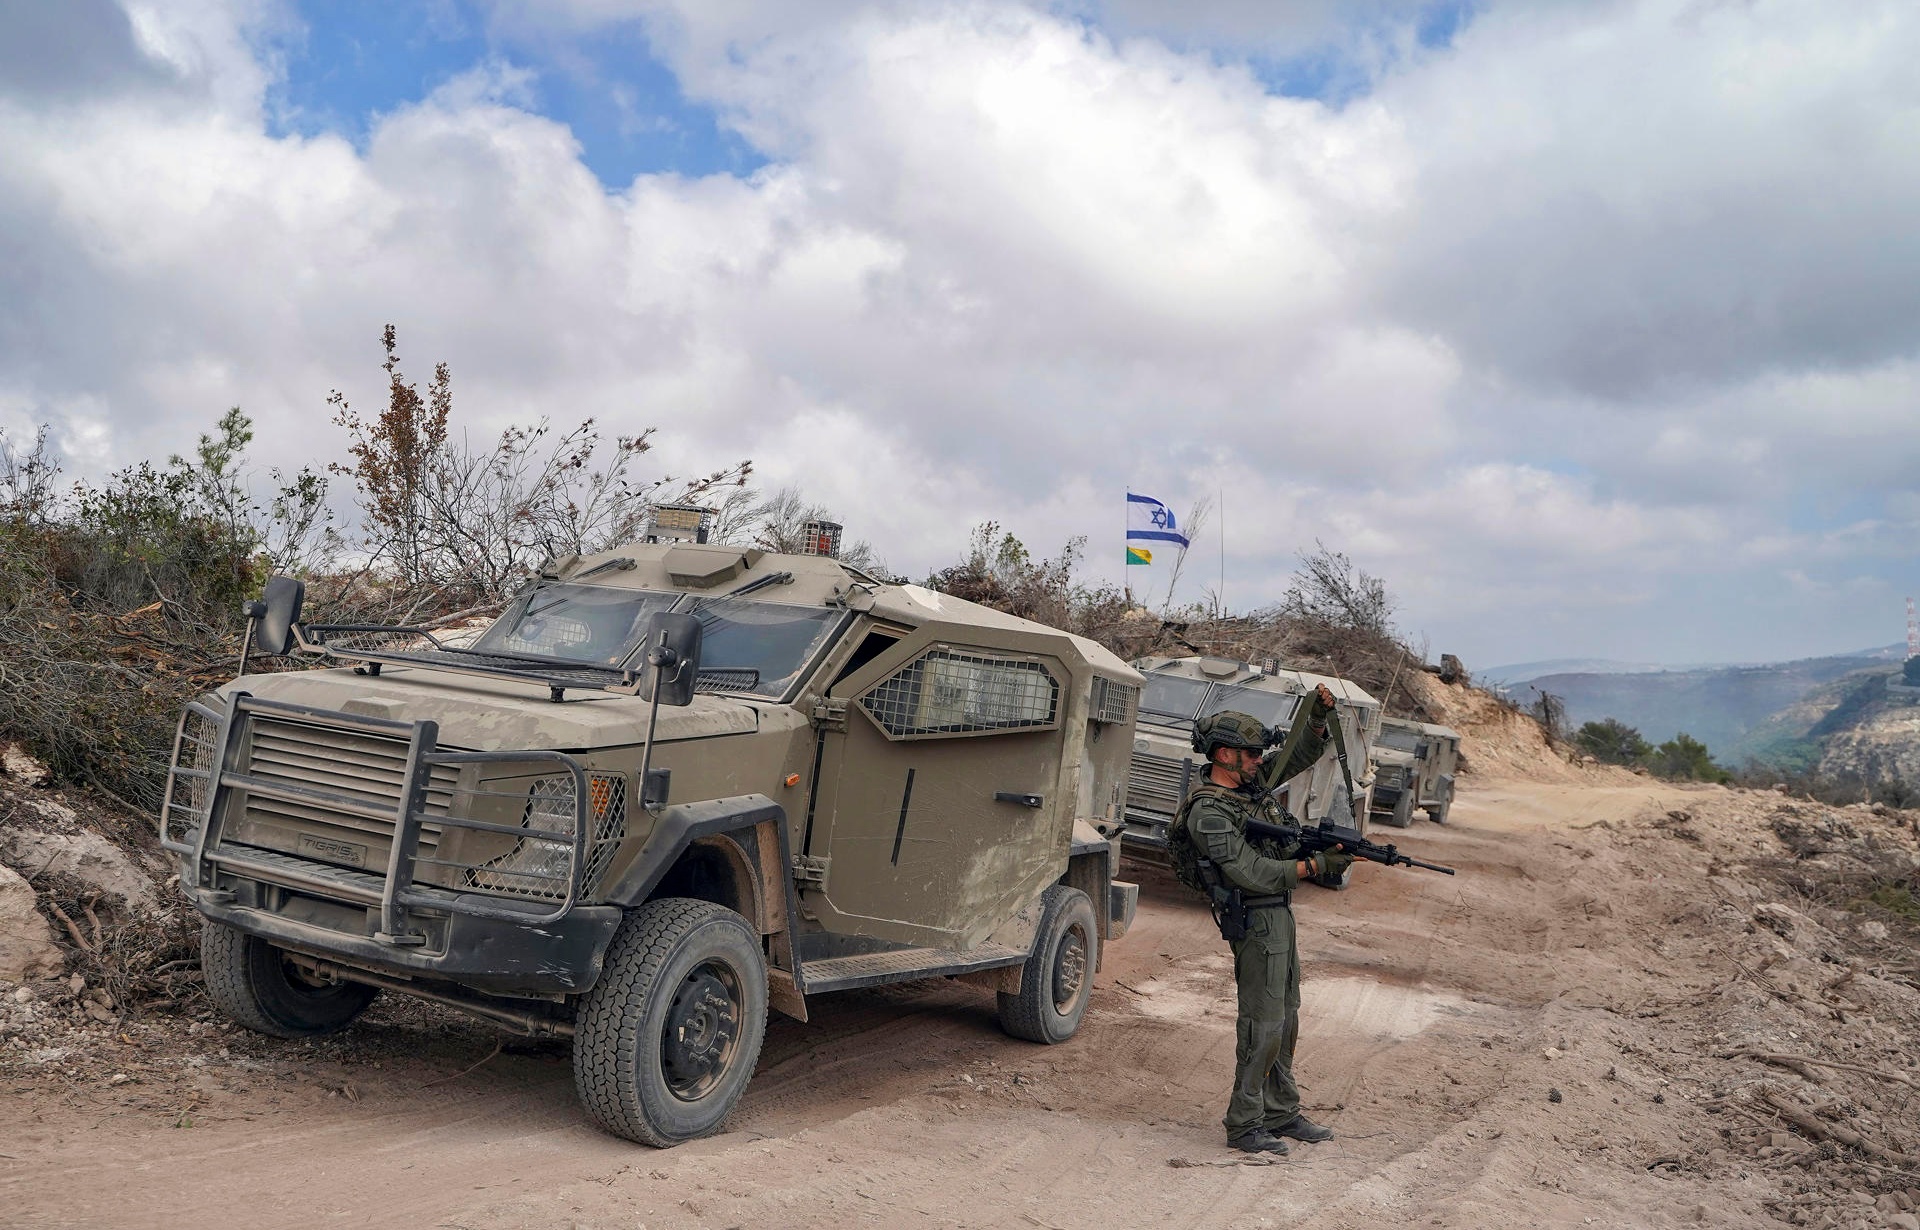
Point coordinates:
[[1580, 332]]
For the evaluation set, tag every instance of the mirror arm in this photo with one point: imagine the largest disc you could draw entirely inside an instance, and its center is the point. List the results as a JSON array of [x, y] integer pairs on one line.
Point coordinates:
[[657, 659], [253, 610]]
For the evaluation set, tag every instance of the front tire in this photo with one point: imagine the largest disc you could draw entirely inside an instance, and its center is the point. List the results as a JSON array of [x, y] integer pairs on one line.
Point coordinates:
[[666, 1041], [1057, 980], [1402, 815], [253, 983]]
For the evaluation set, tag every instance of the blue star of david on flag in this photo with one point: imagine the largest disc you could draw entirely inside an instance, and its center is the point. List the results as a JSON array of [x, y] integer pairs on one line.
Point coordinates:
[[1151, 521]]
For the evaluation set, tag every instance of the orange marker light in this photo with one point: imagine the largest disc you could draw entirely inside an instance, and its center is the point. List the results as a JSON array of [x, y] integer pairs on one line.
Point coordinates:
[[793, 779]]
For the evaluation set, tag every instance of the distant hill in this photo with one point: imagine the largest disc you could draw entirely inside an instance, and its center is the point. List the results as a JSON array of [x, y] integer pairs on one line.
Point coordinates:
[[1526, 672], [1739, 712]]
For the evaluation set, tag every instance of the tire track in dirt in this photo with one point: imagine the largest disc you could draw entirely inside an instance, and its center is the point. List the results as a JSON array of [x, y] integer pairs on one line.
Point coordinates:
[[1431, 1007]]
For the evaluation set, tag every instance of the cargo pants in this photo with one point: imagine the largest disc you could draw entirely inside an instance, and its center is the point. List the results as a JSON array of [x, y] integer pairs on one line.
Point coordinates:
[[1266, 974]]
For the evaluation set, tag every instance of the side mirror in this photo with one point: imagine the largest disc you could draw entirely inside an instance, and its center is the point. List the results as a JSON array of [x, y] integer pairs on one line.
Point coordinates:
[[275, 615], [673, 658]]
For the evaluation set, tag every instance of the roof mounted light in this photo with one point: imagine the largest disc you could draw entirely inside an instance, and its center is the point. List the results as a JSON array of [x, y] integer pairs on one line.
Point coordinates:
[[820, 538]]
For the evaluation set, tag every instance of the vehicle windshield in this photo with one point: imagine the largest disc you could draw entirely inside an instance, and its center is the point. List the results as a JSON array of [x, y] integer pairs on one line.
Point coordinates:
[[757, 648], [1171, 696], [575, 623], [1269, 708], [1405, 740]]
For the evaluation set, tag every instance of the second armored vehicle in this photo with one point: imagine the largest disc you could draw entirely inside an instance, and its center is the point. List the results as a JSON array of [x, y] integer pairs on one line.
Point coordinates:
[[1179, 691]]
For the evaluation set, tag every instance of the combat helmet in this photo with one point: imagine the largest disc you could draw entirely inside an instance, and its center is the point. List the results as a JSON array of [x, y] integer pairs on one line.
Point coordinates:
[[1229, 728]]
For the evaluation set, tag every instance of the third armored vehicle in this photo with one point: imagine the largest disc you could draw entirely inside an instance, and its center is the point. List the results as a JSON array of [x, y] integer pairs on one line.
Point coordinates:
[[1179, 691], [1414, 766], [852, 782]]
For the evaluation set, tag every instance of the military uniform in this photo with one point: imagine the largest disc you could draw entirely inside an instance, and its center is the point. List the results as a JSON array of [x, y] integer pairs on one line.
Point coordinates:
[[1266, 963]]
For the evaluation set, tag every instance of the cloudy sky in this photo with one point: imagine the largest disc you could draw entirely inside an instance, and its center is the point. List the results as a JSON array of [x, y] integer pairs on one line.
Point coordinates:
[[1594, 327]]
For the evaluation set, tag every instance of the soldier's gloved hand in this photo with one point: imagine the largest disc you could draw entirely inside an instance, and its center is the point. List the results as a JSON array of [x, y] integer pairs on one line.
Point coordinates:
[[1322, 701], [1330, 864]]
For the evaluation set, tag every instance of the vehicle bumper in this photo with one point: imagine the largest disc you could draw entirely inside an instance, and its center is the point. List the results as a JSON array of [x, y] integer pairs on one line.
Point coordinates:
[[495, 956], [1145, 832]]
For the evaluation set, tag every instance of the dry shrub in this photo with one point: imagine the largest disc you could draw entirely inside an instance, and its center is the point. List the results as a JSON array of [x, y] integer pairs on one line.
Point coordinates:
[[147, 959]]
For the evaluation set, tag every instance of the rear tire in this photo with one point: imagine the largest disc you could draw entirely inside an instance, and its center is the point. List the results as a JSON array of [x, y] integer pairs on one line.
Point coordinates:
[[252, 982], [1057, 980], [1438, 813], [667, 1040]]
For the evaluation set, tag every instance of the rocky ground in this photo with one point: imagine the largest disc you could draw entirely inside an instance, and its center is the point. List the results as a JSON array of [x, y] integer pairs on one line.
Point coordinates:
[[1637, 1005]]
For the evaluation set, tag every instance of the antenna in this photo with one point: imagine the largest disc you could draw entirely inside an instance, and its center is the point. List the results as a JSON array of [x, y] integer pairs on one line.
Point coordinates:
[[1913, 632]]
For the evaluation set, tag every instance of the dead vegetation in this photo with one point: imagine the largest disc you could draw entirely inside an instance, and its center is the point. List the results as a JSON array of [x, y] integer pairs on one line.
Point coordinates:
[[1335, 619], [1808, 1043]]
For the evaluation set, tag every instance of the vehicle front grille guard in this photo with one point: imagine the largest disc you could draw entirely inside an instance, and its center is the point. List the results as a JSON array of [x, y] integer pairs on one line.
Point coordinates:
[[210, 765]]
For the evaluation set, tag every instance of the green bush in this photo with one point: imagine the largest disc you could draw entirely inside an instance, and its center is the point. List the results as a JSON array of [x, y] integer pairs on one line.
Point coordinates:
[[1685, 758], [1612, 741]]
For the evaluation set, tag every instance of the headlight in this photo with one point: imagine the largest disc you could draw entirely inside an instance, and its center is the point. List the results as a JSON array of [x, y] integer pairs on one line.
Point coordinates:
[[541, 863]]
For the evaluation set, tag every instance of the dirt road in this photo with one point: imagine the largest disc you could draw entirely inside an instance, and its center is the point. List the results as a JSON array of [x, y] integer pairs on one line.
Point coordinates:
[[1501, 1048]]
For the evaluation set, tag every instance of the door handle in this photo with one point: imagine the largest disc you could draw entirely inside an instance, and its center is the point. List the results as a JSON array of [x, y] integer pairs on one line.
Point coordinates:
[[1023, 800]]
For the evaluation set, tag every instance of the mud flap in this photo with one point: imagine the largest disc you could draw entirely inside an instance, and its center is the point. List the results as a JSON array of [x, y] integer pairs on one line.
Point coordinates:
[[1122, 900], [784, 997]]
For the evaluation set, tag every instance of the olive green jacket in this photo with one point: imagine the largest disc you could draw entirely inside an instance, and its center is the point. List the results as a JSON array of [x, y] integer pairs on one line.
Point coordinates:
[[1216, 820]]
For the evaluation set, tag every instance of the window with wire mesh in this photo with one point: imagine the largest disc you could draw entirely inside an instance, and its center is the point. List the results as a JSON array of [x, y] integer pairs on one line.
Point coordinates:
[[1113, 701], [949, 691], [193, 764]]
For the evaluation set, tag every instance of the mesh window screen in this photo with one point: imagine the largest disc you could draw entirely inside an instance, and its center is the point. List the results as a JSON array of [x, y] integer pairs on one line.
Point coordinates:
[[949, 692], [1113, 701]]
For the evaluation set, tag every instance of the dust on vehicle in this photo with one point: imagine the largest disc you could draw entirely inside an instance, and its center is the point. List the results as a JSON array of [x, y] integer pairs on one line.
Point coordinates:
[[1179, 691], [1414, 767], [673, 785]]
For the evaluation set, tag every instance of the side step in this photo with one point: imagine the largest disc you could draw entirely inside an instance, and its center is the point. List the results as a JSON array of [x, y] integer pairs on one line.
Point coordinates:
[[872, 969]]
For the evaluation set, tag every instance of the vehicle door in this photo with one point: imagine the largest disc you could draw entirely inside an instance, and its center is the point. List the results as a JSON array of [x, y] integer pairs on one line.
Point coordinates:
[[937, 807]]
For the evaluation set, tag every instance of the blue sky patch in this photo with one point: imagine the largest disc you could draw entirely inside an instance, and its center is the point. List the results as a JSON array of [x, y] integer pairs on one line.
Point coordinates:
[[359, 59], [1339, 72]]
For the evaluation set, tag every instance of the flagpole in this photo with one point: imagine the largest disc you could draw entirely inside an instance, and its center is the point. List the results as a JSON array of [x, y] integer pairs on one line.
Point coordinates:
[[1223, 552], [1126, 565]]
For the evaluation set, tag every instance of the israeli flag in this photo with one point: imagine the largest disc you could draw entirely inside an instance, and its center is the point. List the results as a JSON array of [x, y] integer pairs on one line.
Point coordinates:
[[1150, 520]]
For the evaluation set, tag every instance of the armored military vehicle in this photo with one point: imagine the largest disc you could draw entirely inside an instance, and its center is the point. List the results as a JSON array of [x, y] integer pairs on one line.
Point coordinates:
[[1414, 766], [671, 786], [1179, 691]]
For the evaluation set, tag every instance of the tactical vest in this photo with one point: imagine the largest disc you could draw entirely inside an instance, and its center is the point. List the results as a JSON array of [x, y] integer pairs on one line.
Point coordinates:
[[1181, 848]]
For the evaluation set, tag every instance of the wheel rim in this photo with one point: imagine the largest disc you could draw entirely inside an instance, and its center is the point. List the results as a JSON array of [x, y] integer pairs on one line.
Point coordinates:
[[1069, 970], [701, 1034]]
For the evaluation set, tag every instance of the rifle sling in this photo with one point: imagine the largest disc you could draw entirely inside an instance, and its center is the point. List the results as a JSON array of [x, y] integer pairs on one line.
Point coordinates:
[[1346, 774]]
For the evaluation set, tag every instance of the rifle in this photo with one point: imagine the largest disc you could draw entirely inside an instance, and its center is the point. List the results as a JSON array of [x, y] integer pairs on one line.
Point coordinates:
[[1326, 835]]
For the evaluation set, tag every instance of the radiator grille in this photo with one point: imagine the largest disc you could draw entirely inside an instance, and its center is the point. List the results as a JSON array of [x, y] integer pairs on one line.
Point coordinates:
[[367, 768], [1154, 783]]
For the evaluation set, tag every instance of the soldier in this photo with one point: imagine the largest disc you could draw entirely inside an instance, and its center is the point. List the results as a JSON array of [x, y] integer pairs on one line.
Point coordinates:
[[1210, 829]]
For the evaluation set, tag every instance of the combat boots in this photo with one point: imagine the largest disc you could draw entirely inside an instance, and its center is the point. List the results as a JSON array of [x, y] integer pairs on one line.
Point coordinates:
[[1259, 1140], [1302, 1128]]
